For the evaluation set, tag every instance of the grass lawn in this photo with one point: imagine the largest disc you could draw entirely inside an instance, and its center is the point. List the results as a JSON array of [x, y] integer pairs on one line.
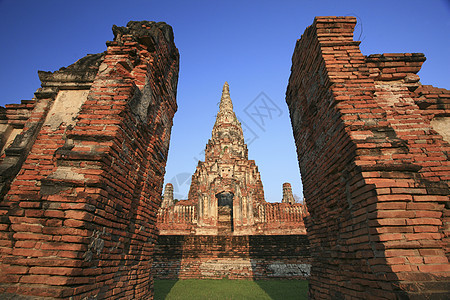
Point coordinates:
[[231, 289]]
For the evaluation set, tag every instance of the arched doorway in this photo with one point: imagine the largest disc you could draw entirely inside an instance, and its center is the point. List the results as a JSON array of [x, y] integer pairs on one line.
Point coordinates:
[[225, 213]]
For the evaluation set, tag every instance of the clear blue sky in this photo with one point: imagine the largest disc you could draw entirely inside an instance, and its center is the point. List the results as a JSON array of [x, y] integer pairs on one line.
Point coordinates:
[[247, 43]]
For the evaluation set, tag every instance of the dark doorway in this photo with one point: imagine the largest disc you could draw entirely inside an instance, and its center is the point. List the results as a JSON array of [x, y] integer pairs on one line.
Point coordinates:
[[225, 213]]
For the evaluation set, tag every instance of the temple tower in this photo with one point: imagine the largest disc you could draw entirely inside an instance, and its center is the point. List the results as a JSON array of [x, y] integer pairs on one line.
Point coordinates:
[[168, 196], [226, 195], [287, 194], [227, 186]]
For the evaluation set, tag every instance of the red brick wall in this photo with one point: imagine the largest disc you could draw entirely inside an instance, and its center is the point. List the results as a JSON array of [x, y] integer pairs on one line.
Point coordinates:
[[79, 218], [375, 173], [234, 257], [271, 219]]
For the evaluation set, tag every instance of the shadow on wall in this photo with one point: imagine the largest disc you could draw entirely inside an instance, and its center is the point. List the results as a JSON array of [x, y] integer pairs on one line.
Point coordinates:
[[167, 257], [166, 264], [276, 261], [234, 257]]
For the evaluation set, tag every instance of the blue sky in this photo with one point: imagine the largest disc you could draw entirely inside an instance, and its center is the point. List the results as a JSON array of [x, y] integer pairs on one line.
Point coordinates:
[[247, 43]]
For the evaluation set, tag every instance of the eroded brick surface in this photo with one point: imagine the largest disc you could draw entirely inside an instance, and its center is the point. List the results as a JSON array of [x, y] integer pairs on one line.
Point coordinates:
[[375, 173], [79, 218], [235, 257]]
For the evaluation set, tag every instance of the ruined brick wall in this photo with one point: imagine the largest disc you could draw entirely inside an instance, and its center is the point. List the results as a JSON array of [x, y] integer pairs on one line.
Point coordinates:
[[280, 218], [83, 181], [435, 105], [234, 257], [270, 219], [12, 120], [375, 173], [177, 219]]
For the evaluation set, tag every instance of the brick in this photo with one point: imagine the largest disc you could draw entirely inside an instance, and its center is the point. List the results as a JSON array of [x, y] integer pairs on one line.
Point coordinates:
[[401, 268], [78, 215], [52, 271], [428, 214], [26, 227], [11, 269], [434, 268], [394, 214], [388, 222], [395, 252], [30, 236], [44, 279], [435, 260], [425, 206], [54, 214], [424, 221], [395, 260], [426, 228], [431, 252], [25, 244], [74, 223], [391, 205], [394, 197], [431, 198], [423, 236], [390, 237]]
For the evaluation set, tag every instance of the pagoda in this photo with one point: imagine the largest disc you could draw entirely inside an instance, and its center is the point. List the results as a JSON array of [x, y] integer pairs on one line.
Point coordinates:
[[226, 195]]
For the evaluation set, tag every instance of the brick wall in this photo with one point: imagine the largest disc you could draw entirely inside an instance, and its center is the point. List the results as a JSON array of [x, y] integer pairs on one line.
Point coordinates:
[[375, 173], [234, 257], [270, 219], [78, 217]]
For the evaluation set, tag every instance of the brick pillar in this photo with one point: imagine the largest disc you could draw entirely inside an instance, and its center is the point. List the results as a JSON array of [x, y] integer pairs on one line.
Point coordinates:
[[375, 174], [79, 218]]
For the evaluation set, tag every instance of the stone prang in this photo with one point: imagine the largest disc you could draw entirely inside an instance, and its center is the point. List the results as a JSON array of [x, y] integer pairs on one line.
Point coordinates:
[[226, 196]]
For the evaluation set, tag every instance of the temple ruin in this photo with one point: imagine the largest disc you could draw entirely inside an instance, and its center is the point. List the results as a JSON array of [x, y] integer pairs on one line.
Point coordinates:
[[82, 167], [374, 166], [226, 229], [82, 177], [226, 194]]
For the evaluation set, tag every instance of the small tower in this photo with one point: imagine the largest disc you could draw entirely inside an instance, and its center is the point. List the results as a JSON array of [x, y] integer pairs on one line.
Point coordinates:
[[287, 194], [168, 196]]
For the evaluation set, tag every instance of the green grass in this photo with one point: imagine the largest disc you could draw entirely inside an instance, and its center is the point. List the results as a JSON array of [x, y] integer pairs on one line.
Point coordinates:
[[231, 289]]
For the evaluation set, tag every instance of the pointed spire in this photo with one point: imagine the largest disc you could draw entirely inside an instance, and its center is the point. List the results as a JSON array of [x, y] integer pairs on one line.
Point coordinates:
[[226, 117], [226, 89], [225, 101]]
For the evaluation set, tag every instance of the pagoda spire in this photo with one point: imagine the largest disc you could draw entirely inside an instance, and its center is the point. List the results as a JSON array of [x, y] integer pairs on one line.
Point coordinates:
[[225, 100], [227, 123], [227, 139]]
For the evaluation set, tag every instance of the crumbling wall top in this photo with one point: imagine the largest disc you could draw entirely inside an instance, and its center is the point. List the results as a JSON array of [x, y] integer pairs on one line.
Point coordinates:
[[146, 33], [80, 74]]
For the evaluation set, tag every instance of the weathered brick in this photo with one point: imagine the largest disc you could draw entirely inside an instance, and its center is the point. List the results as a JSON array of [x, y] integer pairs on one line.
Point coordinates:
[[435, 268], [382, 110], [236, 257], [60, 226], [424, 221]]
